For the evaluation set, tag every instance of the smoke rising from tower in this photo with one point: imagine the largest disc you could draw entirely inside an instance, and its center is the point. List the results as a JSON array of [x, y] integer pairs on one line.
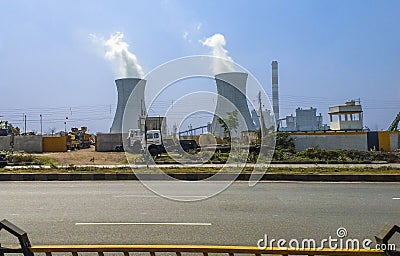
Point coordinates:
[[117, 52], [217, 44]]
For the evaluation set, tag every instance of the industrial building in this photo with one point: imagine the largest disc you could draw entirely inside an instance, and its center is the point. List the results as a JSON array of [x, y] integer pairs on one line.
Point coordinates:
[[305, 120], [345, 130], [268, 118], [346, 117], [306, 126]]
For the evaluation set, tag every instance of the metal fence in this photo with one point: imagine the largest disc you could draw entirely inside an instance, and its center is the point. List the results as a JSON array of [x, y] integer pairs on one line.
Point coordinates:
[[178, 250]]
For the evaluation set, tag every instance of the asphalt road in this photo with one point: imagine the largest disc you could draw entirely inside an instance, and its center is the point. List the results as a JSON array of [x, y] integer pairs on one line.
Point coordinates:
[[127, 213]]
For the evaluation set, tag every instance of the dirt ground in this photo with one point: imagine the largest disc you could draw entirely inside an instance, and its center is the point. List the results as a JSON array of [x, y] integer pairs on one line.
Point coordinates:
[[87, 156]]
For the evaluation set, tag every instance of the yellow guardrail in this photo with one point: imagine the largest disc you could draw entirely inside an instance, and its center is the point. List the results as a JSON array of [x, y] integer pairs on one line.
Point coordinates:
[[205, 250]]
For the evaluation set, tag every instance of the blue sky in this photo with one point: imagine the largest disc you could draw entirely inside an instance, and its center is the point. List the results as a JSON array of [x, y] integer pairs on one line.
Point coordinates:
[[328, 52]]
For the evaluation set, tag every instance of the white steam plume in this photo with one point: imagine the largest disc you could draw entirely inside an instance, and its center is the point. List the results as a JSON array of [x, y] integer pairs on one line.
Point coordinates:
[[217, 43], [124, 62]]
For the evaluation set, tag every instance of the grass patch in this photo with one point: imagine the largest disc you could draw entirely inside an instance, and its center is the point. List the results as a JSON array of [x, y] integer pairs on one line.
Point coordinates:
[[313, 170]]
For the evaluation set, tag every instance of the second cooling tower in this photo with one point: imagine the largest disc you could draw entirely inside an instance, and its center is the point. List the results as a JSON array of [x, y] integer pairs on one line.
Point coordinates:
[[125, 87], [231, 88]]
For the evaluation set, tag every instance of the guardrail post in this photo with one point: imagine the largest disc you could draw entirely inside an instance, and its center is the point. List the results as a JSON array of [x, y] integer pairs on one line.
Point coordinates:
[[383, 237], [22, 238]]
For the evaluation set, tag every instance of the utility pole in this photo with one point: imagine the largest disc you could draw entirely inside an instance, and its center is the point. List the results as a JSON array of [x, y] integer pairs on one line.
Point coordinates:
[[65, 125], [262, 126], [25, 123], [41, 125]]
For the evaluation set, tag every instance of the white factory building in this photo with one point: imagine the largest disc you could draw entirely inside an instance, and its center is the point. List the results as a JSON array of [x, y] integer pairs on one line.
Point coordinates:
[[267, 116], [346, 117], [305, 120]]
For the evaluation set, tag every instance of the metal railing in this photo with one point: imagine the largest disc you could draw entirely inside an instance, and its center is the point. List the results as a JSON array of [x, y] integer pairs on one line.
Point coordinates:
[[74, 250]]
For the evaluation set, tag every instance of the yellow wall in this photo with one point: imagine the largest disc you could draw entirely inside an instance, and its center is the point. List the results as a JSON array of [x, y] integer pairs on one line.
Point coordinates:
[[327, 133], [384, 140], [55, 144]]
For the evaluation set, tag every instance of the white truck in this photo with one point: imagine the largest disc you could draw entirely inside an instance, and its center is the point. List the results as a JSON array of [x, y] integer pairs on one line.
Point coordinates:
[[136, 141], [156, 144]]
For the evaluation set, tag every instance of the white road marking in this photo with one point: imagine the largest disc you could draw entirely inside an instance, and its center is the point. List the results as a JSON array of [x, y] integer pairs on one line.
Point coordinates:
[[396, 198], [145, 223], [140, 196], [151, 196]]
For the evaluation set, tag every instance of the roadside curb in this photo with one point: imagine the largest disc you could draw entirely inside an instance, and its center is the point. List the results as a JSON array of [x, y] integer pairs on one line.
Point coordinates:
[[198, 176]]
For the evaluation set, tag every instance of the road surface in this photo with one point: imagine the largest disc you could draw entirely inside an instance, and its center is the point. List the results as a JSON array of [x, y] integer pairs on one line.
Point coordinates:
[[125, 212]]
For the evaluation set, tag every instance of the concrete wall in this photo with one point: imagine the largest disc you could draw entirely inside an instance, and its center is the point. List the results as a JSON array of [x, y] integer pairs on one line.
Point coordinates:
[[5, 142], [55, 144], [347, 125], [28, 144], [350, 140], [106, 142], [394, 141]]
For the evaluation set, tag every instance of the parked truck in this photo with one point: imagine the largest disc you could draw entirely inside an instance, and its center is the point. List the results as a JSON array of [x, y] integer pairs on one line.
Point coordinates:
[[156, 144], [136, 141]]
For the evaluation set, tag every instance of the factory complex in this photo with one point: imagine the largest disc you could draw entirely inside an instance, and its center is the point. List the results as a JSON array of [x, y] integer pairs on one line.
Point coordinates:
[[344, 131]]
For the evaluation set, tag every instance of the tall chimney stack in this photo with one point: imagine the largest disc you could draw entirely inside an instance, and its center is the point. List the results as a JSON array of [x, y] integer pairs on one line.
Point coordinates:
[[275, 94]]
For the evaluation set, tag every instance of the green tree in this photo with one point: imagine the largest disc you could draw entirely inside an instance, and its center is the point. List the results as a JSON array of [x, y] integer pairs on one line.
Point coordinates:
[[284, 142], [229, 124], [15, 130], [11, 129]]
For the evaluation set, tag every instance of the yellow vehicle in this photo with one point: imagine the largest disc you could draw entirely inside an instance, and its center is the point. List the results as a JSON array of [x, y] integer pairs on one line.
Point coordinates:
[[78, 139]]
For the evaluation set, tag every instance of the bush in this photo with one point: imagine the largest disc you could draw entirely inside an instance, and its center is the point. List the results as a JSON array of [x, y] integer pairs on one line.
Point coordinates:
[[285, 142], [20, 158], [316, 154], [283, 155]]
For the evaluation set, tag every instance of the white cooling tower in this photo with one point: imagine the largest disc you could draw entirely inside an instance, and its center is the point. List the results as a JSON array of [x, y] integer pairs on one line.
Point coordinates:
[[275, 94], [231, 88], [125, 86]]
